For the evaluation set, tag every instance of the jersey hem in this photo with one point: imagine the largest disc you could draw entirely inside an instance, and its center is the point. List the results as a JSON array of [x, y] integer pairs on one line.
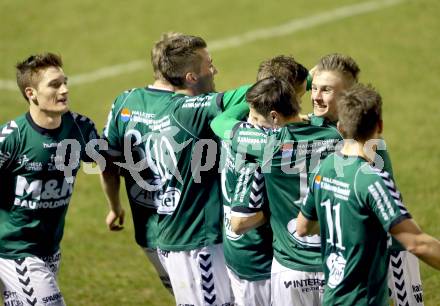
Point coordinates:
[[26, 254], [251, 278], [299, 267], [187, 247]]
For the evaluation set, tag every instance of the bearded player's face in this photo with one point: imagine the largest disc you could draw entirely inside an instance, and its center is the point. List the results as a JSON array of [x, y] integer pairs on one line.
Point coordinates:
[[205, 77]]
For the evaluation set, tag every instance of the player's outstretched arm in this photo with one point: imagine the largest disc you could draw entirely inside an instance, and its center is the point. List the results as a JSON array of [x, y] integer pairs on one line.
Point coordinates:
[[223, 124], [231, 98], [424, 246], [305, 226], [110, 183], [241, 225]]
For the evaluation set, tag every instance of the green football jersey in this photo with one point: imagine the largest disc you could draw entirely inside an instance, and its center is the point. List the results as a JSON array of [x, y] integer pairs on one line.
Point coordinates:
[[180, 161], [382, 161], [37, 173], [356, 206], [287, 156], [131, 121], [300, 149], [248, 255]]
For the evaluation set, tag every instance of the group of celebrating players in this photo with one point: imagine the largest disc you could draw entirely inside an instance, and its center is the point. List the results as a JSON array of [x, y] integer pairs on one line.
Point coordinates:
[[236, 198]]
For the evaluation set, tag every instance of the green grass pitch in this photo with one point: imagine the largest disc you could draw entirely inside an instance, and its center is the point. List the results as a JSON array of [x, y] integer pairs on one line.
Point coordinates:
[[395, 46]]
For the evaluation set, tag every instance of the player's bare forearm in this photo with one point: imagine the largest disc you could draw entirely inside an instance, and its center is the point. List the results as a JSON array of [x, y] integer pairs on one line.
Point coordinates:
[[305, 226], [241, 225], [424, 246], [110, 183], [428, 250]]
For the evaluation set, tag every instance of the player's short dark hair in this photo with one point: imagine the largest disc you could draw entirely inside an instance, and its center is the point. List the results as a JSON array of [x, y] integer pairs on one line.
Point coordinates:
[[341, 63], [360, 110], [180, 57], [283, 67], [157, 52], [28, 70], [273, 94]]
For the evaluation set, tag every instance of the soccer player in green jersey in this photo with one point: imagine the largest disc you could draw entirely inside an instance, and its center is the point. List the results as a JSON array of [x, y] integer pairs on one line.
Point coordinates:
[[178, 147], [249, 255], [356, 205], [334, 74], [37, 183], [142, 103], [286, 154]]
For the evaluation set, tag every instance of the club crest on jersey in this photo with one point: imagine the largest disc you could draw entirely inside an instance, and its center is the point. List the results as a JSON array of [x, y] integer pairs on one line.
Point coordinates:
[[318, 182], [336, 265], [125, 115]]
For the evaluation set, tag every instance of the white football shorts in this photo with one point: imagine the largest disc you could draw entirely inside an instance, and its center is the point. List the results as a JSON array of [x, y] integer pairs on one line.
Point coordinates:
[[31, 281], [404, 279], [249, 293], [198, 277], [291, 287]]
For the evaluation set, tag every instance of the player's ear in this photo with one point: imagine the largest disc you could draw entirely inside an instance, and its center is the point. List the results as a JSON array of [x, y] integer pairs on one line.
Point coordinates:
[[276, 118], [190, 78], [31, 94], [273, 116], [339, 127]]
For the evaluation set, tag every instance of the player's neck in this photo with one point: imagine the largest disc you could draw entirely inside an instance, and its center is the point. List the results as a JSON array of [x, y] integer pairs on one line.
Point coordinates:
[[192, 90], [162, 84], [352, 147], [186, 92], [45, 120], [294, 119]]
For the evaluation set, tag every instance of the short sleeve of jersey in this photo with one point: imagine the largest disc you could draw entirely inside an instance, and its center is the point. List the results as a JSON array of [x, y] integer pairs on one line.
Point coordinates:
[[384, 200], [249, 192], [383, 154], [230, 98], [308, 208], [254, 141], [111, 131], [194, 113], [88, 131], [9, 135]]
